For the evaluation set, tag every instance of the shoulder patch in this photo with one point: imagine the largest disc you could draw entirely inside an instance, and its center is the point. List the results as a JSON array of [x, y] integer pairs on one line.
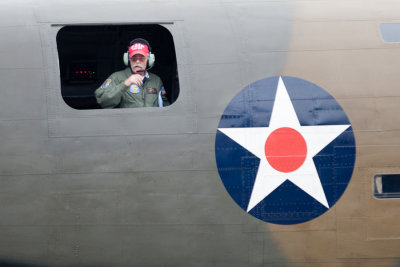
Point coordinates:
[[134, 89], [106, 83]]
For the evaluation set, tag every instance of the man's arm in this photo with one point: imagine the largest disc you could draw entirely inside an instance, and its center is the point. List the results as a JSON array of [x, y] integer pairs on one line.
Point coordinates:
[[163, 94], [110, 93]]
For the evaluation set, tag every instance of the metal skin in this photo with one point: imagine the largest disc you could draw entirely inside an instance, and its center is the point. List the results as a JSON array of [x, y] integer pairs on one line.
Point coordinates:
[[84, 188]]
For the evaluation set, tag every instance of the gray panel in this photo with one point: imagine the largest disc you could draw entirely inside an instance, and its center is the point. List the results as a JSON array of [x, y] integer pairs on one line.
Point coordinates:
[[256, 249], [137, 122], [195, 198], [24, 244], [263, 30], [78, 245], [25, 149], [208, 125], [20, 47], [22, 94], [60, 200], [193, 245], [209, 35], [188, 245], [123, 154], [210, 88], [180, 197], [25, 208], [110, 245], [259, 10], [263, 65], [262, 27], [76, 11], [17, 13], [203, 154], [124, 219]]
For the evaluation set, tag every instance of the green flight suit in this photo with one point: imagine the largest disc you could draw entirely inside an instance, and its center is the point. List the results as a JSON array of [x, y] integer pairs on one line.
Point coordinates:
[[114, 93]]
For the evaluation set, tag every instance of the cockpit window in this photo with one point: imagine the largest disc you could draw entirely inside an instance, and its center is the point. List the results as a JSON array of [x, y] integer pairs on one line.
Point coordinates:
[[88, 55], [387, 186], [390, 32]]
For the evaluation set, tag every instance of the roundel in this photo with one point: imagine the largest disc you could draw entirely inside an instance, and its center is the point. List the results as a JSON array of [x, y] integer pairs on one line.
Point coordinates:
[[285, 150]]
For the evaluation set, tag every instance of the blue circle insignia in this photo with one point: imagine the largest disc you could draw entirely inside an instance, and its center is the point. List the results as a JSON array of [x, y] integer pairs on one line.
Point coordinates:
[[134, 89], [285, 150]]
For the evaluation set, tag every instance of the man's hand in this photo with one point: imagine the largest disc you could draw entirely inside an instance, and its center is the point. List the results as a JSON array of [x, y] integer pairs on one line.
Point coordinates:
[[134, 79]]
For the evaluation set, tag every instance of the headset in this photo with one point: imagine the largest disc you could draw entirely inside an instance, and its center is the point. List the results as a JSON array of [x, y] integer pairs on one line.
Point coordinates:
[[151, 58]]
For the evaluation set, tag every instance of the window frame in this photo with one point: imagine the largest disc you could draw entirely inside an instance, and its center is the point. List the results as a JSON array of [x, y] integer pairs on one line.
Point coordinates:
[[378, 187], [383, 33], [64, 121]]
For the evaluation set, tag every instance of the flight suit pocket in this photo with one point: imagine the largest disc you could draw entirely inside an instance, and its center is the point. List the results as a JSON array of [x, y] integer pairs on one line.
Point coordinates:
[[151, 98]]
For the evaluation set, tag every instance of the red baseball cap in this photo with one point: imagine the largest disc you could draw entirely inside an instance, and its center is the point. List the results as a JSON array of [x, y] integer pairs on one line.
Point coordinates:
[[138, 48]]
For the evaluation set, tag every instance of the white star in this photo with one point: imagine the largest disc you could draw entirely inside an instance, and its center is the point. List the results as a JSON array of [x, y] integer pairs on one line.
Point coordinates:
[[268, 177]]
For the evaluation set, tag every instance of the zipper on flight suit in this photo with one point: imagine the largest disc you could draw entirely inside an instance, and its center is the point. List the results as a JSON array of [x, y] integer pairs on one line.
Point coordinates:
[[143, 92]]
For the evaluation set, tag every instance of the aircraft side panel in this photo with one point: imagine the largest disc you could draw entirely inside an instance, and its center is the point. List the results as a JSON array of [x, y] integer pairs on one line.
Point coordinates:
[[140, 186]]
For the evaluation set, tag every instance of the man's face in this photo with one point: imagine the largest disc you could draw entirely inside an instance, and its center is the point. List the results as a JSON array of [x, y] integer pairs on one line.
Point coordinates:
[[138, 62]]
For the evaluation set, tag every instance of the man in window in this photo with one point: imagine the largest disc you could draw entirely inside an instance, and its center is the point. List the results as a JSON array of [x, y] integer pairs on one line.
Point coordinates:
[[134, 86]]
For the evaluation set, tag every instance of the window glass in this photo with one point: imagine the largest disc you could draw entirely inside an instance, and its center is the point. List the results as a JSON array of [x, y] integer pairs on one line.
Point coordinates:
[[387, 186], [390, 32]]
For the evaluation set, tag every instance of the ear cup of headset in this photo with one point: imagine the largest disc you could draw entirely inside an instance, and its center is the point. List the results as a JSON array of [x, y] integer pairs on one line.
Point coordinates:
[[151, 58], [125, 58]]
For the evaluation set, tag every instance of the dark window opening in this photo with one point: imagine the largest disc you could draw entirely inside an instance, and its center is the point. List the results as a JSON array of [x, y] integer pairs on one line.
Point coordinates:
[[387, 186], [88, 55]]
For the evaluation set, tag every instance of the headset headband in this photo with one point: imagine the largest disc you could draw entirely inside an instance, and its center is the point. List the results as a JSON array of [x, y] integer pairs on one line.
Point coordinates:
[[140, 41]]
